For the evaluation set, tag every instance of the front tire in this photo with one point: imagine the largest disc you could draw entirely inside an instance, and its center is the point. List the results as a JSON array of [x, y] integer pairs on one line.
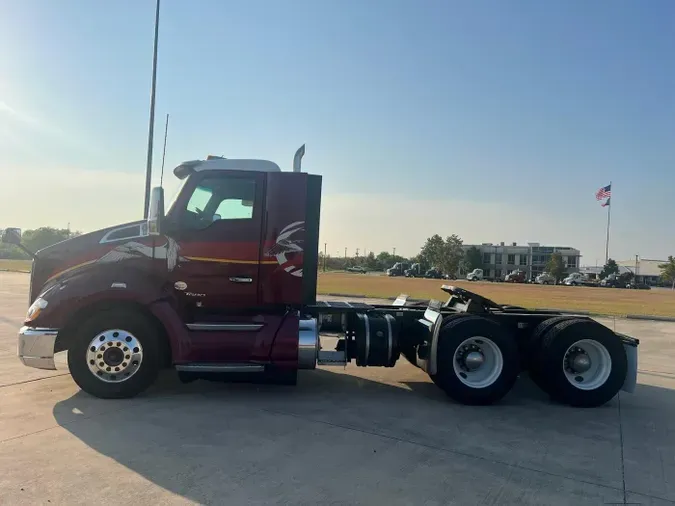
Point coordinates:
[[115, 354], [478, 361]]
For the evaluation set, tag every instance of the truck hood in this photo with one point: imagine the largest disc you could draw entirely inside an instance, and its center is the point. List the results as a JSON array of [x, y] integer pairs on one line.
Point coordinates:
[[62, 259]]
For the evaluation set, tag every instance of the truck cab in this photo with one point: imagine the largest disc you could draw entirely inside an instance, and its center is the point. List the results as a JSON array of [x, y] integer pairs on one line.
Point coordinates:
[[398, 269], [516, 276], [475, 275], [219, 278], [415, 271], [575, 279]]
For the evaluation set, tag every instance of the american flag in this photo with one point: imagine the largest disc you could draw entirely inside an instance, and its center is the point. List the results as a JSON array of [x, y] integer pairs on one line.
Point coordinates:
[[604, 193], [606, 203]]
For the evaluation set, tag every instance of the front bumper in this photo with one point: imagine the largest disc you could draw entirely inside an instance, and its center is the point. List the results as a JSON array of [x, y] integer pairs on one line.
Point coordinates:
[[36, 347]]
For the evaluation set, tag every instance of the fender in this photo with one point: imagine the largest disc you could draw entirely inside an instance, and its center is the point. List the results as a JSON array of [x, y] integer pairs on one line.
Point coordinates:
[[432, 320], [70, 298]]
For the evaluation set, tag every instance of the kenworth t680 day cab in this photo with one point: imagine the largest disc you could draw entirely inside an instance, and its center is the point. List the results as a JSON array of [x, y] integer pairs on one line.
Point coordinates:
[[225, 283]]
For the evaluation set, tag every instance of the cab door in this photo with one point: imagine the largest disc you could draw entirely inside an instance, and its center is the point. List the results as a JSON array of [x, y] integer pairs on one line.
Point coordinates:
[[217, 226]]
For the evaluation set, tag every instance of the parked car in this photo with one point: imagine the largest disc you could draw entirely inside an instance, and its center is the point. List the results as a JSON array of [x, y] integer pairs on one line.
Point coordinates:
[[356, 268], [545, 278], [475, 275], [517, 276]]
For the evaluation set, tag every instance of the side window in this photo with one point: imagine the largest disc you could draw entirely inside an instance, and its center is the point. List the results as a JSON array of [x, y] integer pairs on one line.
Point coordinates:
[[220, 198], [199, 199]]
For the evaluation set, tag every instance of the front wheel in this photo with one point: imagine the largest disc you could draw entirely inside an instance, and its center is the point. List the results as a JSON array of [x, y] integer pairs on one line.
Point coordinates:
[[478, 361], [115, 354]]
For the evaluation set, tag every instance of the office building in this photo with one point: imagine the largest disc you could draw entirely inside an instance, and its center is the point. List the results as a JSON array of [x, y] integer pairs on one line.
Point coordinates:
[[500, 259]]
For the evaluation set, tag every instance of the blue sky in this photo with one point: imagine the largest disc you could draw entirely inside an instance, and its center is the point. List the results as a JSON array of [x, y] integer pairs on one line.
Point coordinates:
[[494, 120]]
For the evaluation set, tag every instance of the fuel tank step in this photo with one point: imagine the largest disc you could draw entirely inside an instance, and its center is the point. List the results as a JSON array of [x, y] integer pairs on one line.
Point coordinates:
[[218, 367], [332, 358]]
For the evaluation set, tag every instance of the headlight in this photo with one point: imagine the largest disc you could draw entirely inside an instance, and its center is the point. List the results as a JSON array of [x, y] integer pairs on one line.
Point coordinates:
[[35, 309]]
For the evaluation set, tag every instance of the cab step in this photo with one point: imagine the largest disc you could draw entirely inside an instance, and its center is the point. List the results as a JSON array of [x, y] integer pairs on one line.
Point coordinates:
[[220, 368]]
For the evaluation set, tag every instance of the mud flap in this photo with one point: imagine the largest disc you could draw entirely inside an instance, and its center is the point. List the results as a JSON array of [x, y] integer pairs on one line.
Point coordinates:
[[631, 371]]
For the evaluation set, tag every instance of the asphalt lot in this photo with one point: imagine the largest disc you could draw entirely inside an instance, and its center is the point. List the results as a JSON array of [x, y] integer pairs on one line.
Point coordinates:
[[354, 436]]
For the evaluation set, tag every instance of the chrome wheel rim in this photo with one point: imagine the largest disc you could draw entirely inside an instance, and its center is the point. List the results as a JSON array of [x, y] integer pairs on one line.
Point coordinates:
[[114, 356], [587, 364], [478, 362]]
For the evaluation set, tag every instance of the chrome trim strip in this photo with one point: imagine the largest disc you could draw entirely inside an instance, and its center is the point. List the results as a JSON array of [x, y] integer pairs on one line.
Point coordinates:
[[367, 322], [220, 367], [240, 279], [241, 327], [308, 343], [35, 347]]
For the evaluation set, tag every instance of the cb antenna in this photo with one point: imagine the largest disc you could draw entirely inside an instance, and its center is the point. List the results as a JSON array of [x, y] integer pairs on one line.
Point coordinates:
[[166, 131]]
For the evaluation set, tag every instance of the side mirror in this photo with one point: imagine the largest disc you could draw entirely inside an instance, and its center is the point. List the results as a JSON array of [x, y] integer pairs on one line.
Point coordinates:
[[11, 236], [156, 211]]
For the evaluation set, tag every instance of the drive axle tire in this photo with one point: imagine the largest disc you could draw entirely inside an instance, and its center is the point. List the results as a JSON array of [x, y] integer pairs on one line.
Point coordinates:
[[534, 347], [581, 363], [477, 360], [115, 354]]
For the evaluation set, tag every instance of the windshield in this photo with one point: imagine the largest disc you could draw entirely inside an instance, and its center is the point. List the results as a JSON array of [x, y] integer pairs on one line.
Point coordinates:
[[175, 194]]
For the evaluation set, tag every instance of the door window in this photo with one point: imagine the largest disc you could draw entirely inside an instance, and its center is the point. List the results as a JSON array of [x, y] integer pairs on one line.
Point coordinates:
[[220, 198]]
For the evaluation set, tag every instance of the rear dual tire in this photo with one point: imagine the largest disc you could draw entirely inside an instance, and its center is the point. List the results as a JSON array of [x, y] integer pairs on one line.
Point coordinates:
[[577, 361]]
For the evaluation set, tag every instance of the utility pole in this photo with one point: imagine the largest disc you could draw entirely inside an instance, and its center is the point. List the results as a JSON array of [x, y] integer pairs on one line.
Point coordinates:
[[637, 266], [151, 126], [357, 252], [325, 245], [345, 252], [394, 252]]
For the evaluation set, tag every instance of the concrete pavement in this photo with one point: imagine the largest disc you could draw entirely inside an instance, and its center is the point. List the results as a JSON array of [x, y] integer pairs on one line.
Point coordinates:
[[354, 436]]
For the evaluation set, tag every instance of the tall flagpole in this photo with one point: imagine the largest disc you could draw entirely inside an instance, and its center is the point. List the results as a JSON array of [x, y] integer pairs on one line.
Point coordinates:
[[609, 215]]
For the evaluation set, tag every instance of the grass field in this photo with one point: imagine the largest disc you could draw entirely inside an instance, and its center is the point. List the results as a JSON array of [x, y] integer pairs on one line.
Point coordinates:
[[610, 301], [660, 302], [15, 265]]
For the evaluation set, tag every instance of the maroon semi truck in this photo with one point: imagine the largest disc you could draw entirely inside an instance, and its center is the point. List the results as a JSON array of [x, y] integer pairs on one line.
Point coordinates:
[[224, 283]]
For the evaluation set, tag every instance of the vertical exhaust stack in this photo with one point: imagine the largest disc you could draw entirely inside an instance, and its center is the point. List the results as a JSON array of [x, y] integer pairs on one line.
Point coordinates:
[[297, 159]]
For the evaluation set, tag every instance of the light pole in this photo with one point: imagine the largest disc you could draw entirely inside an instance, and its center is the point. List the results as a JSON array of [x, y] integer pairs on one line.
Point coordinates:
[[325, 245], [151, 126]]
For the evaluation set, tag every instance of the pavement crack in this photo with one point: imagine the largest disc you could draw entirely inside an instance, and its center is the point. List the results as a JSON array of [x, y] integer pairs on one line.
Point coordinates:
[[623, 461], [34, 380], [476, 457]]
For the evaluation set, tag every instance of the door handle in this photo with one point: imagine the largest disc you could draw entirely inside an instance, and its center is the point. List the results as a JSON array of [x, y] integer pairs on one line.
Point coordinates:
[[241, 279]]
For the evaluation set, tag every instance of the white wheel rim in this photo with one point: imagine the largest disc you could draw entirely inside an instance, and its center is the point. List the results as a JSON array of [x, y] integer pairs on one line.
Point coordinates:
[[114, 356], [587, 364], [467, 367]]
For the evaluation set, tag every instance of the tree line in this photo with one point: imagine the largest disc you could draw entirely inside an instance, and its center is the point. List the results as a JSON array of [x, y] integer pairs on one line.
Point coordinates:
[[35, 240]]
